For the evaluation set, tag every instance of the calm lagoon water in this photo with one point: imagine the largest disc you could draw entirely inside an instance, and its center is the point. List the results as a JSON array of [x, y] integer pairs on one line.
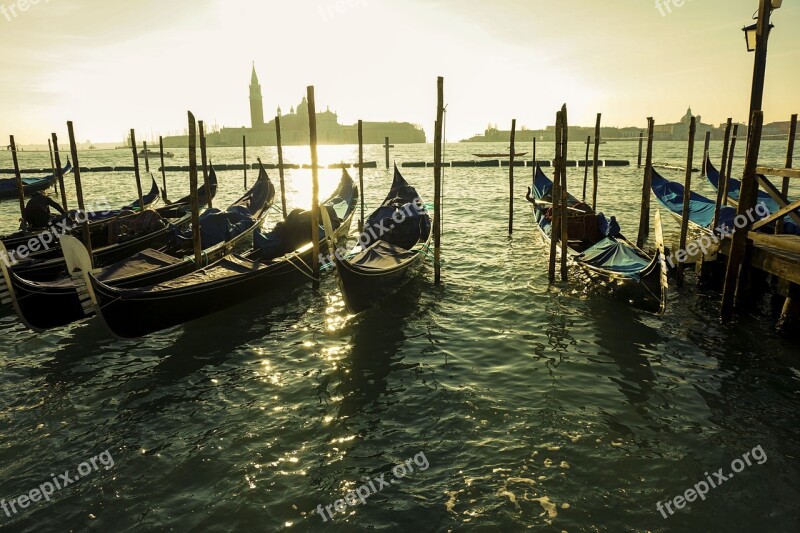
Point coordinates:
[[535, 406]]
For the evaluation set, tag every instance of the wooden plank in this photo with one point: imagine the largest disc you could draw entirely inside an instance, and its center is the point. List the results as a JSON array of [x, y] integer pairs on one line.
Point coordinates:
[[644, 216], [776, 195], [793, 173], [777, 215]]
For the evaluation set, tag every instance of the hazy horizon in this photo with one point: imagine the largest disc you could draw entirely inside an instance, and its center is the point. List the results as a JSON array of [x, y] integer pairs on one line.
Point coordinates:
[[109, 67]]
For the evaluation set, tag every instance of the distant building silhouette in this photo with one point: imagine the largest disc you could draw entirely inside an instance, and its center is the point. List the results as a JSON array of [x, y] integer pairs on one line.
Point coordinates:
[[295, 131]]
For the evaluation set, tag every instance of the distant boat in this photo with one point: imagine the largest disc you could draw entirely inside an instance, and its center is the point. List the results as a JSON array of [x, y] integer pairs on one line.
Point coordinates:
[[506, 154], [153, 153]]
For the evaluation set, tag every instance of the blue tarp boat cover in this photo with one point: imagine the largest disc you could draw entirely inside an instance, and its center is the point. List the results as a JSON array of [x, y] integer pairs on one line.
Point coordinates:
[[218, 226], [414, 225], [611, 254], [701, 209]]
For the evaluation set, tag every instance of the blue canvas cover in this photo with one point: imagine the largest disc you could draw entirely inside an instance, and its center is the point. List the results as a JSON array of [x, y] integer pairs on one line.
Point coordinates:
[[701, 209], [611, 254], [218, 226]]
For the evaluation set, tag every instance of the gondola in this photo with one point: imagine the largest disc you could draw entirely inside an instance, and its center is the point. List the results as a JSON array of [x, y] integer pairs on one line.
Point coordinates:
[[602, 252], [65, 223], [116, 238], [701, 209], [395, 239], [8, 186], [45, 305], [734, 186], [280, 258]]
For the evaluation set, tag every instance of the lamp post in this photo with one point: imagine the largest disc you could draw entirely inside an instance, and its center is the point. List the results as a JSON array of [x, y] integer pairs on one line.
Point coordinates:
[[756, 38]]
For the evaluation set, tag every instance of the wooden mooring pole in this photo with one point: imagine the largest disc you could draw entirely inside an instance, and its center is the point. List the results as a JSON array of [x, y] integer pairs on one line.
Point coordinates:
[[644, 217], [198, 247], [135, 170], [706, 146], [280, 165], [789, 162], [641, 142], [20, 188], [361, 173], [723, 177], [596, 163], [59, 171], [564, 215], [586, 168], [312, 128], [76, 170], [437, 181], [164, 168], [52, 163], [244, 159], [386, 146], [511, 177], [204, 160], [555, 197], [747, 200], [729, 170], [146, 157], [687, 196]]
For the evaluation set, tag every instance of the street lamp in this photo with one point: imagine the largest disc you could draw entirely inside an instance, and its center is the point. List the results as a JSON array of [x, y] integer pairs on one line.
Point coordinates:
[[751, 32], [750, 35]]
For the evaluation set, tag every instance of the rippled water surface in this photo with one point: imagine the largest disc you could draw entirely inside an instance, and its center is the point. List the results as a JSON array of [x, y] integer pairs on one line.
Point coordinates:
[[550, 407]]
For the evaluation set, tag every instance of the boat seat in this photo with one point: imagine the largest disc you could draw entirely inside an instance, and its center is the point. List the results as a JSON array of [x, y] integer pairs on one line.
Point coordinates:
[[142, 262]]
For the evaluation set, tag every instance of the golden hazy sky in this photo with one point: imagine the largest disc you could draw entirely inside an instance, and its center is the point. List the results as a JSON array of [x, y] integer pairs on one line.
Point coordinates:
[[110, 65]]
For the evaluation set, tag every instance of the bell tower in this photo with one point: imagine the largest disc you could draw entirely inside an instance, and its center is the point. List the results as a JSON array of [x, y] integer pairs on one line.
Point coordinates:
[[256, 101]]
